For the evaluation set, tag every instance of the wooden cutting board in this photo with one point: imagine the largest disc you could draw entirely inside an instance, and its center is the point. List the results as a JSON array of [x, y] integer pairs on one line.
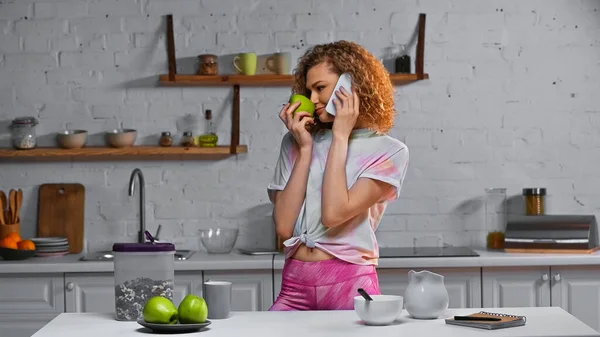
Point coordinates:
[[61, 211]]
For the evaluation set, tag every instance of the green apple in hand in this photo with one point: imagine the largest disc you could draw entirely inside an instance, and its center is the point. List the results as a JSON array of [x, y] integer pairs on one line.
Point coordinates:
[[193, 310], [305, 104], [160, 310]]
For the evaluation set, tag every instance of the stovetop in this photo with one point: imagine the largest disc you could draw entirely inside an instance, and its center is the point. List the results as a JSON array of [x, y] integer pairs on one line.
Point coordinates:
[[450, 251]]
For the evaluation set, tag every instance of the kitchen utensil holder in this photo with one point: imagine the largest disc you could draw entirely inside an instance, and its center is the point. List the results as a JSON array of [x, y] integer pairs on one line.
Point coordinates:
[[10, 228]]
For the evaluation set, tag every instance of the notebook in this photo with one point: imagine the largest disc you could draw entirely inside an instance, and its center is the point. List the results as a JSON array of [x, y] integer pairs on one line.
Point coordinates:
[[506, 321]]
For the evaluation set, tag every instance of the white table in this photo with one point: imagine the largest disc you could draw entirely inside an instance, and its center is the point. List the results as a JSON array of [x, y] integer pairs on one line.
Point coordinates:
[[547, 321]]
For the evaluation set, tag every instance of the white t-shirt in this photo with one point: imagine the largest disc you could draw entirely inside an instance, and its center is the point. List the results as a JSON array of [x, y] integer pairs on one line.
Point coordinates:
[[370, 155]]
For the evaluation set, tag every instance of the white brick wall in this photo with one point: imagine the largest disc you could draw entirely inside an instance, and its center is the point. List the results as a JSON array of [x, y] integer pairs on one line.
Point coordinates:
[[512, 102]]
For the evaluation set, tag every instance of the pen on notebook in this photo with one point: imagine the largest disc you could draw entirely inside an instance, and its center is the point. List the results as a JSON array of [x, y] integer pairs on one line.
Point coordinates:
[[474, 318]]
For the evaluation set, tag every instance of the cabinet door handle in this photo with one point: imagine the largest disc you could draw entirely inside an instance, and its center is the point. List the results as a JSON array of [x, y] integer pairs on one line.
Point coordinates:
[[557, 278], [545, 277], [70, 286]]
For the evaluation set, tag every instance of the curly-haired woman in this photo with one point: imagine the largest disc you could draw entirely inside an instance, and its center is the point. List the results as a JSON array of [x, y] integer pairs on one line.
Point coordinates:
[[334, 178]]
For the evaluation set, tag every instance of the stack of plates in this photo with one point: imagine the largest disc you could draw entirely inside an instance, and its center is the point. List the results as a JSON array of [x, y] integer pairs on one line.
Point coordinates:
[[53, 246]]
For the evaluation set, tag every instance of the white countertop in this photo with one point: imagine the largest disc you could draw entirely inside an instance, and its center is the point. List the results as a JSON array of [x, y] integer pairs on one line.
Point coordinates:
[[485, 259], [548, 322], [237, 261], [199, 261]]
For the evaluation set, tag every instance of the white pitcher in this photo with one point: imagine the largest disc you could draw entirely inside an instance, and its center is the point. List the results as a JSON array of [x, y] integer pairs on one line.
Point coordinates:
[[426, 296]]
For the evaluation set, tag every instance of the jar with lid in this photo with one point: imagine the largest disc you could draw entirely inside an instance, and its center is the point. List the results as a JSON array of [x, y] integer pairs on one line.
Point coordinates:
[[165, 139], [187, 140], [23, 133], [141, 271], [207, 64], [534, 200]]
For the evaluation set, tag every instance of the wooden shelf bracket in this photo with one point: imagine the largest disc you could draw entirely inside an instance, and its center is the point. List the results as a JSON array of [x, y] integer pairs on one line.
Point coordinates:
[[419, 62], [235, 107]]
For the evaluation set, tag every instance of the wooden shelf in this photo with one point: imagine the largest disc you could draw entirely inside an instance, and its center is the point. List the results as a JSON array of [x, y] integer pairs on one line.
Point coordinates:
[[128, 153], [258, 80], [227, 80]]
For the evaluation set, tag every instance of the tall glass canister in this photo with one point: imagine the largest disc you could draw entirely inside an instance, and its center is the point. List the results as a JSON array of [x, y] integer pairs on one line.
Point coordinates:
[[495, 217]]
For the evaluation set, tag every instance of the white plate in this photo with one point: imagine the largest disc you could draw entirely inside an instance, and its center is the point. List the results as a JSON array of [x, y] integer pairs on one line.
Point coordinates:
[[49, 240]]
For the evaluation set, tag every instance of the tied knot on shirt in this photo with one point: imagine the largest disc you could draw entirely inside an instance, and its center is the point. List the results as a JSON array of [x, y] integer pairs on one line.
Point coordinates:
[[308, 242]]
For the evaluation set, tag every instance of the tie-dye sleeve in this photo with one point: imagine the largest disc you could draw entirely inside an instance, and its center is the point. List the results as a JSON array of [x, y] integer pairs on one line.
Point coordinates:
[[389, 167], [284, 166]]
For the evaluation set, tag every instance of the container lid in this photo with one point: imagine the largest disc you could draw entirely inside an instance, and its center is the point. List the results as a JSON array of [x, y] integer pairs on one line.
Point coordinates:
[[25, 121], [208, 58], [534, 191], [143, 247]]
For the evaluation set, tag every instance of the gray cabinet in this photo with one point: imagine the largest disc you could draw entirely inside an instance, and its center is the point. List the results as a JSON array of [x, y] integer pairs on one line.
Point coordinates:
[[516, 287], [252, 290], [90, 292], [27, 303], [95, 292], [463, 284], [573, 288], [577, 290], [187, 283]]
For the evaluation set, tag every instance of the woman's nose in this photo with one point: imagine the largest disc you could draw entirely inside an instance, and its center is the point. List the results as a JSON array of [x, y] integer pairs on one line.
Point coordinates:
[[314, 98]]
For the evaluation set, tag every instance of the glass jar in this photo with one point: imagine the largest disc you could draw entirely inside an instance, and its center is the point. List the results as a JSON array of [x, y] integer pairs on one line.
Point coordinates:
[[534, 200], [207, 64], [165, 139], [142, 271], [23, 133], [187, 140], [495, 217], [210, 138]]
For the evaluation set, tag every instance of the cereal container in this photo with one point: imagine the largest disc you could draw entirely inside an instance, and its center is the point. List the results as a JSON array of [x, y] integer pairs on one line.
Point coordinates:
[[23, 133], [142, 270]]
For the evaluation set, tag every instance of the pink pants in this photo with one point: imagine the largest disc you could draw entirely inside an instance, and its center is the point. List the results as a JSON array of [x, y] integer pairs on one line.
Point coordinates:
[[323, 285]]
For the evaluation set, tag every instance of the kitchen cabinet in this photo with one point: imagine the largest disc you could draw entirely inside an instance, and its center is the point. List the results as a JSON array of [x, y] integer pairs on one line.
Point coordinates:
[[28, 303], [577, 290], [251, 290], [516, 287], [89, 292], [463, 284], [95, 292], [573, 288]]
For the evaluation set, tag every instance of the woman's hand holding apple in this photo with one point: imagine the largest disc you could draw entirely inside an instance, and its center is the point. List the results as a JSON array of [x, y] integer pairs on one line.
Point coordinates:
[[296, 123]]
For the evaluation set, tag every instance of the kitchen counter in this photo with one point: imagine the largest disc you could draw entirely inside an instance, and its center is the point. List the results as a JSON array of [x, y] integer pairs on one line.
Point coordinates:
[[485, 259], [199, 261], [549, 322], [238, 261]]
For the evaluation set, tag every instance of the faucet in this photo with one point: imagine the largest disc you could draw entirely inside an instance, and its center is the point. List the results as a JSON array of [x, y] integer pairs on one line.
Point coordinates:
[[137, 172]]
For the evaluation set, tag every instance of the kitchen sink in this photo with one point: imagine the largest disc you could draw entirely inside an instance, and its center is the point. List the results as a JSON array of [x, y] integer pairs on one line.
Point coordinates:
[[107, 255]]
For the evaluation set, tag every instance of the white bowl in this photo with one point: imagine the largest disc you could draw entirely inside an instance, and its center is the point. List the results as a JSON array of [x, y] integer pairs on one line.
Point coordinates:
[[382, 310]]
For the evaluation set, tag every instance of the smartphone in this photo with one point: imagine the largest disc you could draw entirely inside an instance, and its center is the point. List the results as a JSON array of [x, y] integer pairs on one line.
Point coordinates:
[[345, 81]]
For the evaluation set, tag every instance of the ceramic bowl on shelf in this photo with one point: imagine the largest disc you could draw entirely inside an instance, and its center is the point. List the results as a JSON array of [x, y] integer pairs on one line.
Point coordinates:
[[15, 254], [121, 137], [218, 240], [71, 139], [382, 310]]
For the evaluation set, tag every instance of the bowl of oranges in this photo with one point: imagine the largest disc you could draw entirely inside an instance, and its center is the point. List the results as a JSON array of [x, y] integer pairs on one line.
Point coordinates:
[[13, 247]]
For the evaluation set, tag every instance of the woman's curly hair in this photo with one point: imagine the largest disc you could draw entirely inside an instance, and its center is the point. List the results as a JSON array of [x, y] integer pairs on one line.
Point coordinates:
[[369, 77]]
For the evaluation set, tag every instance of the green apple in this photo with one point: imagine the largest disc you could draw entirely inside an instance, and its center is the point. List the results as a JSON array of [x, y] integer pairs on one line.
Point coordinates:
[[305, 104], [160, 310], [193, 310]]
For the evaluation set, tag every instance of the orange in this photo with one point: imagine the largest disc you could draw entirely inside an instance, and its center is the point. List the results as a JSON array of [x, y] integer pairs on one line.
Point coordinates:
[[26, 245], [14, 237], [8, 243]]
